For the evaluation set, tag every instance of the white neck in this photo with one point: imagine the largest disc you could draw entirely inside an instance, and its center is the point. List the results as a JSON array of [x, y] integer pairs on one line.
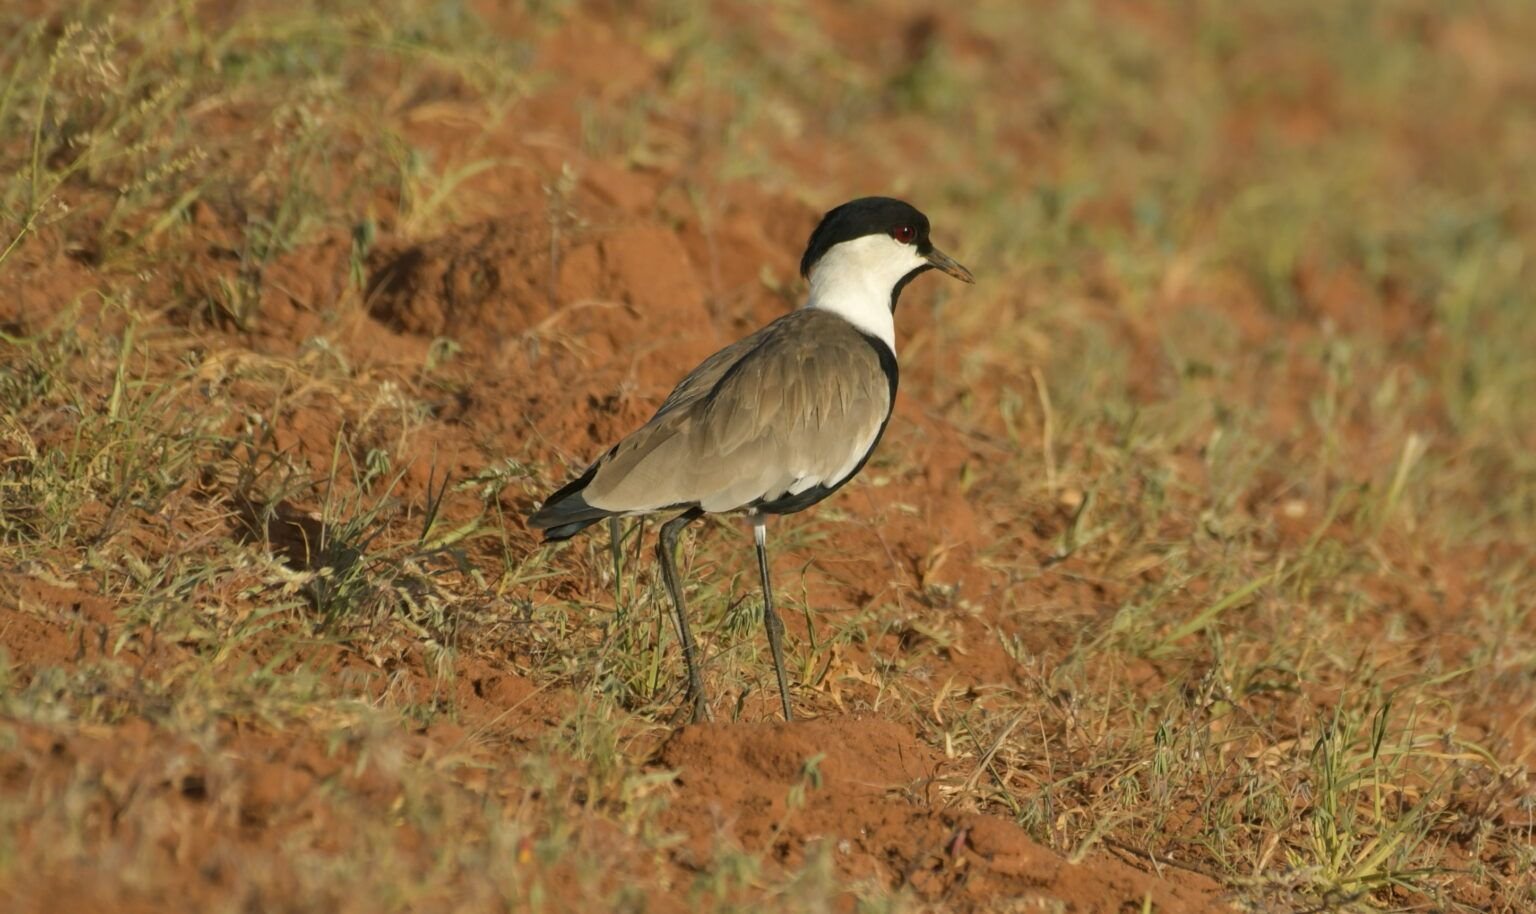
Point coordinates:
[[854, 281]]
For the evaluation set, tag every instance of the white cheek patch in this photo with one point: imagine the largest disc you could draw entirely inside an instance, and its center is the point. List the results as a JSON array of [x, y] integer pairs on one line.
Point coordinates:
[[854, 280]]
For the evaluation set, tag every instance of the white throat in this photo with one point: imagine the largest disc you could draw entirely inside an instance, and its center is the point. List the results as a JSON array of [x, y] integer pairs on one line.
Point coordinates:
[[854, 280]]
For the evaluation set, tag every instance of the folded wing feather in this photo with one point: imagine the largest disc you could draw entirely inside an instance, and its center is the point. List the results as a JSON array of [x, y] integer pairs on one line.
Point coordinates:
[[795, 405]]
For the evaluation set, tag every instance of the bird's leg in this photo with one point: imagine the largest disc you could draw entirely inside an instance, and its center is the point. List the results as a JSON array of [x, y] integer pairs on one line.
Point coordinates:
[[616, 552], [771, 620], [666, 553]]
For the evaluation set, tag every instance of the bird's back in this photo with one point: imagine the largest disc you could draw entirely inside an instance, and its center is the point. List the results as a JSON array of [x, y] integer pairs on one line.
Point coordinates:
[[783, 416]]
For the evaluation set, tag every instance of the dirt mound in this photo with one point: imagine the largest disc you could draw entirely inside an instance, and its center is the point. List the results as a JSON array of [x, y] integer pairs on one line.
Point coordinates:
[[499, 280], [864, 754], [1201, 473], [482, 283], [52, 624], [870, 795]]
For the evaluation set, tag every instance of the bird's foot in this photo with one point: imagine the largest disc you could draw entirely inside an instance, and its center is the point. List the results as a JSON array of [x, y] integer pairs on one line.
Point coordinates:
[[692, 711]]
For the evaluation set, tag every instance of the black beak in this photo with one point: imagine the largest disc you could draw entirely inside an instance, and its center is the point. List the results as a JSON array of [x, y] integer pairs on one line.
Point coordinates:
[[948, 264]]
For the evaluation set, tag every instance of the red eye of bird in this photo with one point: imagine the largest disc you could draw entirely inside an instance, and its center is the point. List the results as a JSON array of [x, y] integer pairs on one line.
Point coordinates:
[[904, 234]]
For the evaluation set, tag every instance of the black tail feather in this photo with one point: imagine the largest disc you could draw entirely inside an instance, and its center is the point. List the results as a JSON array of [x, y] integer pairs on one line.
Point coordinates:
[[566, 513], [556, 534]]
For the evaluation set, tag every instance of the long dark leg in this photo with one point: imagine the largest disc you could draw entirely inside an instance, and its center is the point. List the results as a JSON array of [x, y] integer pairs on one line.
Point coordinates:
[[616, 552], [666, 552], [771, 620]]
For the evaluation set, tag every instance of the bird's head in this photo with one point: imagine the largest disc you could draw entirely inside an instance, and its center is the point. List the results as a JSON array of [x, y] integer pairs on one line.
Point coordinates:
[[864, 253]]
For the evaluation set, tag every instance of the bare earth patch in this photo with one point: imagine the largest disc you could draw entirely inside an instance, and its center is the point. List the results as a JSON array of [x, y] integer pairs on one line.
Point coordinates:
[[1194, 573]]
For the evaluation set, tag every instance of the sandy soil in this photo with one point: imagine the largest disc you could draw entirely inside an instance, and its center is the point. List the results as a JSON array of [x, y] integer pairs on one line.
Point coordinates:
[[572, 319]]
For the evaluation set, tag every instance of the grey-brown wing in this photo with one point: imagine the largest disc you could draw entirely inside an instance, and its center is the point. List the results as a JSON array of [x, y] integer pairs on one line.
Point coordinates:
[[803, 413], [800, 406], [703, 379], [637, 474]]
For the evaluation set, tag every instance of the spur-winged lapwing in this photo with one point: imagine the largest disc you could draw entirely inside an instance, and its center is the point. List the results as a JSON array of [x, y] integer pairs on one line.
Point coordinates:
[[776, 422]]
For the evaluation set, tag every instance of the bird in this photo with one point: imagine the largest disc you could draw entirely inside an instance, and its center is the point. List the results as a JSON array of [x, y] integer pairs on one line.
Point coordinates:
[[775, 422]]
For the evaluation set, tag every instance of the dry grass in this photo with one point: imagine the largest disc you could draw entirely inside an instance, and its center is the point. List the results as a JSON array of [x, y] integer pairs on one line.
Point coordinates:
[[1243, 409]]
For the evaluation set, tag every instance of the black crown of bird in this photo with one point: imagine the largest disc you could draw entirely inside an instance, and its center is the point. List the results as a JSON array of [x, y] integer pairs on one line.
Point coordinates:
[[773, 423]]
